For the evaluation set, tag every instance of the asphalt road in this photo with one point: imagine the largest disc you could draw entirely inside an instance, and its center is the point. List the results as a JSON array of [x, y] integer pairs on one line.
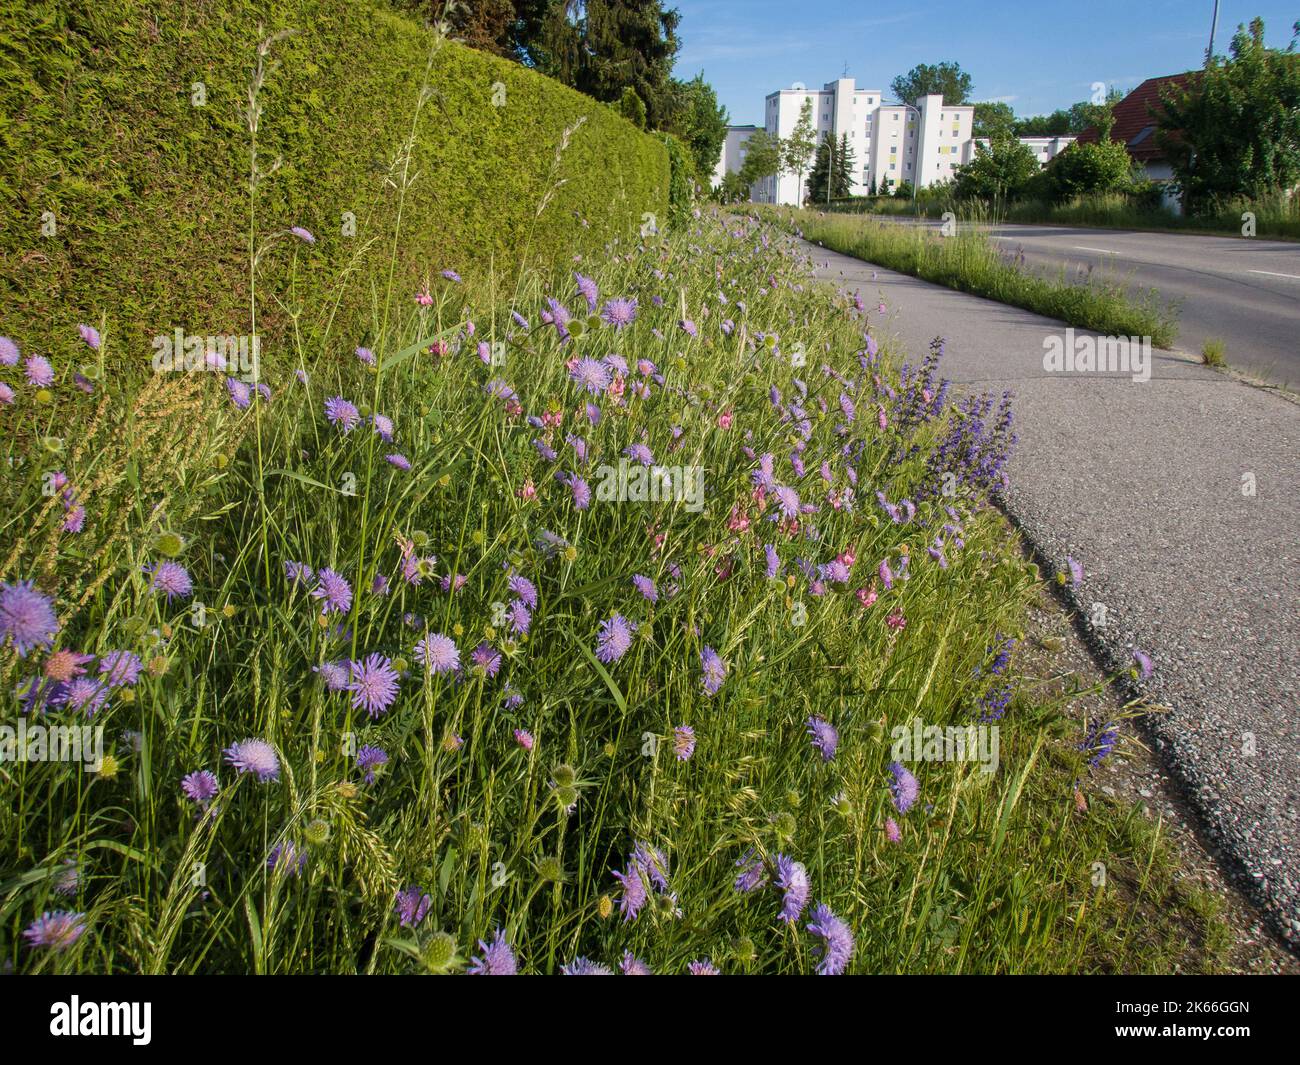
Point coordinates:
[[1243, 291], [1180, 496]]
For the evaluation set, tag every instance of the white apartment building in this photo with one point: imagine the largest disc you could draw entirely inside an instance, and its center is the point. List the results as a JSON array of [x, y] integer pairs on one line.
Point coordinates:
[[892, 143], [733, 152], [1045, 149]]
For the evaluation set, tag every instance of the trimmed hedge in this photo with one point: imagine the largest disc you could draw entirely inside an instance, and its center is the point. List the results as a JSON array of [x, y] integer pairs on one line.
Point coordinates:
[[150, 195]]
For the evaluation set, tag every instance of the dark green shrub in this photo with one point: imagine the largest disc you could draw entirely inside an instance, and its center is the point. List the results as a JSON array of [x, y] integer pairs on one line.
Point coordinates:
[[681, 182], [149, 193]]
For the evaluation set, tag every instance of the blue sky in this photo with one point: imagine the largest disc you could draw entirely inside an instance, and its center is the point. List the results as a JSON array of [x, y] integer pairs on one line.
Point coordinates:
[[1036, 55]]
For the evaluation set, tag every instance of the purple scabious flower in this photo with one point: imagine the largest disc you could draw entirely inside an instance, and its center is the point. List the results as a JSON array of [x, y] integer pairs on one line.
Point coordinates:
[[6, 395], [585, 967], [437, 653], [591, 374], [837, 945], [892, 832], [297, 572], [334, 592], [581, 492], [303, 235], [619, 313], [524, 589], [451, 275], [254, 756], [752, 874], [773, 561], [587, 290], [791, 878], [905, 787], [558, 316], [38, 371], [200, 787], [631, 965], [634, 891], [486, 658], [646, 587], [383, 425], [715, 670], [342, 413], [379, 586], [639, 452], [653, 863], [171, 579], [702, 967], [787, 499], [8, 352], [497, 960], [240, 394], [519, 617], [399, 460], [412, 905], [57, 931], [27, 617], [1145, 664], [369, 759], [1076, 570], [120, 669], [824, 737], [83, 693], [366, 355], [614, 638], [684, 742], [287, 857], [524, 738], [373, 684], [688, 327], [334, 674]]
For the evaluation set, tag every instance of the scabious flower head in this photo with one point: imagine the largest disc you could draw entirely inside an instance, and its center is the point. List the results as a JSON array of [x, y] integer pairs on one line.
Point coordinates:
[[383, 426], [83, 693], [451, 275], [486, 658], [752, 874], [1145, 664], [1076, 570], [287, 857], [524, 738], [38, 371], [172, 580], [334, 674], [905, 787], [334, 592], [641, 453], [891, 830], [254, 756], [200, 787], [792, 879], [369, 759], [8, 352], [684, 742], [437, 653], [341, 413], [412, 905], [646, 587], [688, 327], [27, 618], [524, 589], [787, 499], [837, 948], [585, 967], [241, 395], [619, 312], [702, 967], [6, 395], [614, 638], [631, 965], [65, 664], [715, 670], [497, 960], [587, 290], [634, 891], [120, 669], [297, 572], [591, 374], [824, 737], [519, 617], [57, 930], [303, 235], [366, 355], [373, 684]]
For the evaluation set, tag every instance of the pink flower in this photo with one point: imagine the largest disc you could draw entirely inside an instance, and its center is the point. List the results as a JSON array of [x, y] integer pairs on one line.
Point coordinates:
[[524, 738], [891, 830], [528, 491], [867, 596], [896, 620], [423, 298], [724, 420], [882, 418]]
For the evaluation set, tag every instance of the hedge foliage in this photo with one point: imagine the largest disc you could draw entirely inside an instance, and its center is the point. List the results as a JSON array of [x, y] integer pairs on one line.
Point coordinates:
[[149, 192]]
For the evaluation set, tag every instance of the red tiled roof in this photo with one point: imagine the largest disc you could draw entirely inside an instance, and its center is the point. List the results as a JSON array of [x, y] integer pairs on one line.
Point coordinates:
[[1134, 124]]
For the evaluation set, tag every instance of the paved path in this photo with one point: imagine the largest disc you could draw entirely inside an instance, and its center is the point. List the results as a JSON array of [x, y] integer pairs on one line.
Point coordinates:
[[1244, 292], [1143, 484]]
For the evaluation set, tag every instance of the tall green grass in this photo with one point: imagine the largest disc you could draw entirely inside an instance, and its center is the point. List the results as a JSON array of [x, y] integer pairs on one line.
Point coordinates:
[[968, 260]]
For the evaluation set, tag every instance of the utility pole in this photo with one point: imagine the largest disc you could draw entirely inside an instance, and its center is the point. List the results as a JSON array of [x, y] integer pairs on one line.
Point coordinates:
[[1214, 25], [830, 165]]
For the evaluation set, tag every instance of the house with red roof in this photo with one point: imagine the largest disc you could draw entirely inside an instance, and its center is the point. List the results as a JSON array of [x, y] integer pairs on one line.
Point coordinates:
[[1135, 128]]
